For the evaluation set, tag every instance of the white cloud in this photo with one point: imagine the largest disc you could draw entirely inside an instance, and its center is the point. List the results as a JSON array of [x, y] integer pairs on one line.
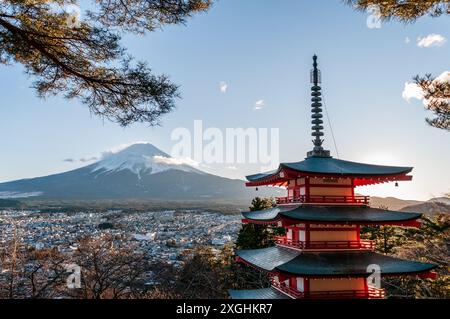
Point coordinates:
[[431, 40], [407, 40], [412, 91], [223, 86], [259, 105], [174, 161], [444, 77]]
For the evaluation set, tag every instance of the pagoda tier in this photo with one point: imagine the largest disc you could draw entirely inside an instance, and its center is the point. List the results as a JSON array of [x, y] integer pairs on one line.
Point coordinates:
[[287, 215], [324, 274], [328, 167], [328, 181], [322, 254], [290, 262], [283, 291]]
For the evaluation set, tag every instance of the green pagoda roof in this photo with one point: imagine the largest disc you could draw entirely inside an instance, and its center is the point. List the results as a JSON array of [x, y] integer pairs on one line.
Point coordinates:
[[268, 258], [333, 166], [343, 263], [332, 214], [265, 293]]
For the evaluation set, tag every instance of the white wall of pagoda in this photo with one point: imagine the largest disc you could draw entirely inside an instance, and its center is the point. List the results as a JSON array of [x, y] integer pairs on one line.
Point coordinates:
[[314, 232], [336, 284], [333, 233], [318, 186]]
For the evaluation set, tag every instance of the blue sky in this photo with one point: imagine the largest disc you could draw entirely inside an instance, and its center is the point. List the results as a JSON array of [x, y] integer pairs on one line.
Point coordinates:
[[262, 50]]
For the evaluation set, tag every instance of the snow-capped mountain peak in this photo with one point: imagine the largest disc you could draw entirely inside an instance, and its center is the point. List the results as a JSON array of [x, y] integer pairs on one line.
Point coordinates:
[[141, 159]]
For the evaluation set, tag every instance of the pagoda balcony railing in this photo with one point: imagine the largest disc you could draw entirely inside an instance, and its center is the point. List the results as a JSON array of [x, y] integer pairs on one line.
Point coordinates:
[[370, 293], [350, 244], [325, 199]]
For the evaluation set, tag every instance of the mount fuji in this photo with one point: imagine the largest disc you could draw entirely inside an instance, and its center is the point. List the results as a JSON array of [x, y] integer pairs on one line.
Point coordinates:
[[140, 171]]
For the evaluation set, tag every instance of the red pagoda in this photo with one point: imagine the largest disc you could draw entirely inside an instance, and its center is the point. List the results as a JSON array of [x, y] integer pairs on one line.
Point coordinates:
[[322, 254]]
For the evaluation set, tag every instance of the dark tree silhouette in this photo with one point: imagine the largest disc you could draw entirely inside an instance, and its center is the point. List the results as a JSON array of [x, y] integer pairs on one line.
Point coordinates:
[[436, 95], [252, 236], [83, 57], [403, 10]]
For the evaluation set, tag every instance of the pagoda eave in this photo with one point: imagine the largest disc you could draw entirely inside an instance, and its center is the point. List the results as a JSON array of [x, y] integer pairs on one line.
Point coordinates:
[[283, 275], [328, 167], [329, 264], [289, 222], [359, 180], [264, 293], [260, 222], [327, 214]]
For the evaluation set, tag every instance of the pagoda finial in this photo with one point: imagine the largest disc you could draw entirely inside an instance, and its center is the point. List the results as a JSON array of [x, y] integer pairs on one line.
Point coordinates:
[[316, 109]]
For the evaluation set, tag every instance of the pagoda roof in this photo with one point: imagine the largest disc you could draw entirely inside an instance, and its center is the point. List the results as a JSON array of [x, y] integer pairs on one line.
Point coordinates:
[[330, 214], [264, 293], [268, 258], [333, 264], [329, 166]]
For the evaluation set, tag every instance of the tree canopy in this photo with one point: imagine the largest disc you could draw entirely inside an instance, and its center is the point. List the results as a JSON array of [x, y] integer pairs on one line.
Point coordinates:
[[436, 96], [252, 236], [83, 58], [403, 10]]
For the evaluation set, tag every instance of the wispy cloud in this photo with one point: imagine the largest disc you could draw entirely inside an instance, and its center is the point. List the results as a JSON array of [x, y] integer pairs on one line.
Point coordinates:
[[407, 40], [121, 147], [69, 160], [223, 86], [84, 160], [431, 40], [174, 161], [259, 105]]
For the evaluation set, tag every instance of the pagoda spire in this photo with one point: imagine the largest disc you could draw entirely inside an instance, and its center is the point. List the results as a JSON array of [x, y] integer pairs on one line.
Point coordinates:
[[316, 109]]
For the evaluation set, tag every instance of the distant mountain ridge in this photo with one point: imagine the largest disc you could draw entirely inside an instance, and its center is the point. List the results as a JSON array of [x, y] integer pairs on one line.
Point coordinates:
[[437, 205], [430, 208], [433, 206], [140, 171], [392, 202]]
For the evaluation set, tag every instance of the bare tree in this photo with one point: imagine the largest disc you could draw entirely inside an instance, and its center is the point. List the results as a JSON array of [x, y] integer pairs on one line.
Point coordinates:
[[109, 268]]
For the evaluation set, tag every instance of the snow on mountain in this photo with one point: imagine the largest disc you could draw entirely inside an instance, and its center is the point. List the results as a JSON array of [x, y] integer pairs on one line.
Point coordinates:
[[142, 158], [139, 171], [444, 200]]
